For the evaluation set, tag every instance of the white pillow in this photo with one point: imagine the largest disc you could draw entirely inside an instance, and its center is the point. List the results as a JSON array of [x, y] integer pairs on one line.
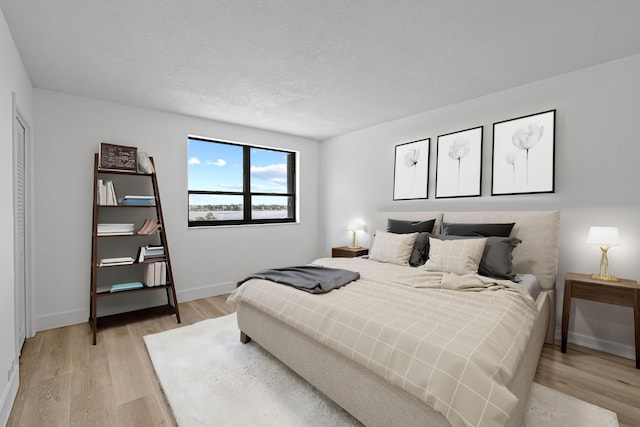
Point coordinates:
[[455, 256], [392, 248]]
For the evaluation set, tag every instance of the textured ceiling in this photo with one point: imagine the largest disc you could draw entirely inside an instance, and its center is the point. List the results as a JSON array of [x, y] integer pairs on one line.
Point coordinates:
[[312, 68]]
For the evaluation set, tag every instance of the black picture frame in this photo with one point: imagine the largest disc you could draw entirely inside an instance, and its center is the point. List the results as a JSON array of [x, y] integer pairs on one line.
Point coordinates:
[[453, 177], [411, 170], [523, 158], [118, 157]]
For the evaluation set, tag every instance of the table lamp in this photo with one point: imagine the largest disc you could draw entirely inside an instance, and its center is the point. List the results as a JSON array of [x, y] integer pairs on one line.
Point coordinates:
[[605, 237], [354, 227]]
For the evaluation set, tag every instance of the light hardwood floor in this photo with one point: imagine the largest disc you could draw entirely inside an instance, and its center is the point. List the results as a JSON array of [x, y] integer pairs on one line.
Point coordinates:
[[66, 381]]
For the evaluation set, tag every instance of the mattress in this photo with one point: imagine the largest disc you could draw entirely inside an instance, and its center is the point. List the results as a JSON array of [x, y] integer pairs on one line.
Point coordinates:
[[530, 283]]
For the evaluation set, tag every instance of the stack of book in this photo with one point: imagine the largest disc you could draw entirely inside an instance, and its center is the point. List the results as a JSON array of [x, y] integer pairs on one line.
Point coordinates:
[[107, 262], [155, 274], [106, 193], [150, 253], [115, 229], [138, 201], [126, 286], [150, 226]]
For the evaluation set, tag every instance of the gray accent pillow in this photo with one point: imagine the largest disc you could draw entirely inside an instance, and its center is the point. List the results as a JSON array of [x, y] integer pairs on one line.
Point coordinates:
[[483, 229], [403, 227], [420, 251], [497, 257]]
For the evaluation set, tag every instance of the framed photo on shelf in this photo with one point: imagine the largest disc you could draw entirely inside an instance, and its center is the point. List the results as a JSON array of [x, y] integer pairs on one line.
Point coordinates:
[[524, 155], [459, 164], [411, 170], [118, 157]]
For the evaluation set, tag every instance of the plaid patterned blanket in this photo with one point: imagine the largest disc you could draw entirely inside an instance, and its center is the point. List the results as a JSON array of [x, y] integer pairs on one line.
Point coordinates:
[[452, 341]]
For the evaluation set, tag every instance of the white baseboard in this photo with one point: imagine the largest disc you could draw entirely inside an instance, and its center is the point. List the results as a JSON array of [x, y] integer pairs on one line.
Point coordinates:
[[206, 291], [58, 320], [618, 349], [74, 317], [8, 397]]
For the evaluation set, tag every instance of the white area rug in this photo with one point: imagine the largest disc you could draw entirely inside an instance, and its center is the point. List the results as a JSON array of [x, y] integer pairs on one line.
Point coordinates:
[[211, 379]]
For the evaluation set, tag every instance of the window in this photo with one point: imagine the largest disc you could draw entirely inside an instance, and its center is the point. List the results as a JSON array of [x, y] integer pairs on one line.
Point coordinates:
[[231, 183]]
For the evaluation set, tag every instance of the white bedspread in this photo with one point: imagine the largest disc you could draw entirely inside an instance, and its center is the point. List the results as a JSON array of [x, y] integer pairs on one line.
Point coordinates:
[[452, 341]]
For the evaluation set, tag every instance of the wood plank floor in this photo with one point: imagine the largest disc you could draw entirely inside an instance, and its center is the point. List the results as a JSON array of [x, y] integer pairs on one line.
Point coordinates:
[[66, 381]]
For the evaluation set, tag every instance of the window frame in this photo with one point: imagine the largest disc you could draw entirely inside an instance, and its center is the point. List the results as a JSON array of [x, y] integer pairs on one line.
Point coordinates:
[[246, 193]]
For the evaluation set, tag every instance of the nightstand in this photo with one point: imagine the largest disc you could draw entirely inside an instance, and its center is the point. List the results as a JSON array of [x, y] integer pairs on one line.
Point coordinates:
[[582, 286], [348, 252]]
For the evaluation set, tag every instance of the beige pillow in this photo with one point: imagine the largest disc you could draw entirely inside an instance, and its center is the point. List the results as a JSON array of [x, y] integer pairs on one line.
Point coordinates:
[[455, 256], [392, 248]]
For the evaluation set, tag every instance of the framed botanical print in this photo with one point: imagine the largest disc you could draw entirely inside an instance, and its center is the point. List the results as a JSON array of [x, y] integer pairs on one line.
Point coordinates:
[[459, 164], [524, 155], [411, 170]]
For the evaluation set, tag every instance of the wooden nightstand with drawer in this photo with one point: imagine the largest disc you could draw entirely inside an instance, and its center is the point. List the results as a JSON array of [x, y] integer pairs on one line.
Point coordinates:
[[348, 252]]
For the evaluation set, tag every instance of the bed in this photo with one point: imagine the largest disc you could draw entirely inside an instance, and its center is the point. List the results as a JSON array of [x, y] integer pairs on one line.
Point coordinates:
[[382, 388]]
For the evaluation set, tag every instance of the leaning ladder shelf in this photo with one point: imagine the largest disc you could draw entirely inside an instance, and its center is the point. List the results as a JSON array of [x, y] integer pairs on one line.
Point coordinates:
[[134, 239]]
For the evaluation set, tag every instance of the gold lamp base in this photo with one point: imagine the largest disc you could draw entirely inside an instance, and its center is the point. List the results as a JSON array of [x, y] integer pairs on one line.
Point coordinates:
[[354, 243], [604, 263], [606, 277]]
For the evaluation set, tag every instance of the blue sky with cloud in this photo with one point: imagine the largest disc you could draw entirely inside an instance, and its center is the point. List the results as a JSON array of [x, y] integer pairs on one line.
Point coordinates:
[[218, 167]]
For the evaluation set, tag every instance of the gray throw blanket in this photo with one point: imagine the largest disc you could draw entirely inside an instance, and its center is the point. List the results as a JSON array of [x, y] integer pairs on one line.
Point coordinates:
[[314, 279]]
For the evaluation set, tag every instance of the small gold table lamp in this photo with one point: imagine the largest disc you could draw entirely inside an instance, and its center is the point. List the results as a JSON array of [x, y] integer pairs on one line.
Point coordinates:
[[605, 237], [354, 227]]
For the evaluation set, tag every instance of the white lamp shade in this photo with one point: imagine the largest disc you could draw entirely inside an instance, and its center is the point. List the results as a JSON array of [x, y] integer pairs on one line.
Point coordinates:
[[356, 225], [603, 236]]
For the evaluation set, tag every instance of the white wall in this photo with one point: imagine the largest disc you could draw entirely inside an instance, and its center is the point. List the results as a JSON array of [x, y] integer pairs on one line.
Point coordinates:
[[205, 261], [597, 155], [13, 80]]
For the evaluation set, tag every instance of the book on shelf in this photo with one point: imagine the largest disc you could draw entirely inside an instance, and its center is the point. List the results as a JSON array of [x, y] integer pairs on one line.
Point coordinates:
[[150, 253], [152, 246], [112, 200], [163, 273], [131, 196], [126, 286], [155, 274], [131, 200], [105, 262], [149, 275], [117, 233], [114, 229], [101, 189], [150, 226], [106, 193]]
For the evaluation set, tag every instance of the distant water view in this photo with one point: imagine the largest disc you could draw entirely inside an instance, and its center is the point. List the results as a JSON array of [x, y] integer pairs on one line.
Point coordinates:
[[231, 215]]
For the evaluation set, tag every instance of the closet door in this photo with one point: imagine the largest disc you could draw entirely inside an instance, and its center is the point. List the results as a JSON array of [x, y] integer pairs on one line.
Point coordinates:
[[19, 231]]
